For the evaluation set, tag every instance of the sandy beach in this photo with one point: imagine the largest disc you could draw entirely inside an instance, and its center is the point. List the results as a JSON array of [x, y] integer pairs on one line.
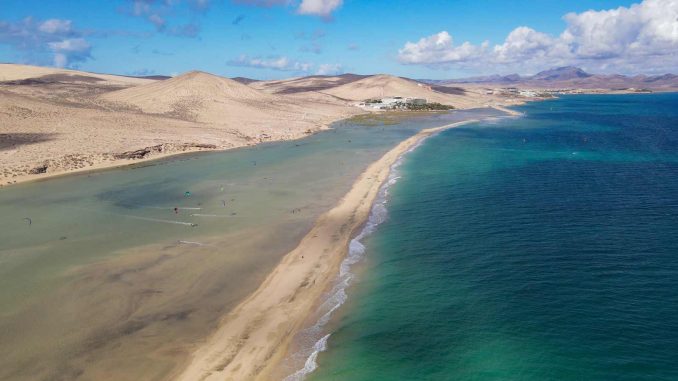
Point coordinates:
[[254, 337], [55, 121], [334, 190]]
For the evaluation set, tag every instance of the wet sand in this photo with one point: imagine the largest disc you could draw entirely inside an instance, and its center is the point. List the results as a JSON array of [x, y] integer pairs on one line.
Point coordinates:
[[109, 283], [253, 339]]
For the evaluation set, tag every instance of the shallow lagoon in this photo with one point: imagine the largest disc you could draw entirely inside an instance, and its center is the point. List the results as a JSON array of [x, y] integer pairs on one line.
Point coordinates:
[[108, 280]]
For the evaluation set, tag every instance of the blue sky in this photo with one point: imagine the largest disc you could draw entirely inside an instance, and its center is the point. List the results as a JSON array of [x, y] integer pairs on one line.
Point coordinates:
[[283, 38]]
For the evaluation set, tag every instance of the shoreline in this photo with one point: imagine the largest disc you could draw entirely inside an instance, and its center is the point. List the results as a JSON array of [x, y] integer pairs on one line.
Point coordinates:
[[126, 162], [254, 338], [188, 148]]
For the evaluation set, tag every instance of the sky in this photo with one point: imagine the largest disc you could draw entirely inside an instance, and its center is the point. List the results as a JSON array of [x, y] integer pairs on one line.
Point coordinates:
[[269, 39]]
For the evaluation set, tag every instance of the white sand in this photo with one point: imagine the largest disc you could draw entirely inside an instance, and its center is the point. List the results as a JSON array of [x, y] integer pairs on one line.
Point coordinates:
[[254, 337]]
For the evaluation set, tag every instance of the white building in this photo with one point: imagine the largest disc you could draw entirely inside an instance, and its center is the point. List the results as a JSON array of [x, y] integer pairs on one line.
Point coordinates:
[[391, 103]]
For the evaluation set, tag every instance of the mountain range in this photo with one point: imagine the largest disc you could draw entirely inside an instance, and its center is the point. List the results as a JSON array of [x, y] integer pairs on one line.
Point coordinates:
[[569, 77]]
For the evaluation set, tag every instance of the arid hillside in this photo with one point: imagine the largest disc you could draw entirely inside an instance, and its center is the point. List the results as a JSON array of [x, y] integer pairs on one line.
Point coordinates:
[[54, 121], [379, 86]]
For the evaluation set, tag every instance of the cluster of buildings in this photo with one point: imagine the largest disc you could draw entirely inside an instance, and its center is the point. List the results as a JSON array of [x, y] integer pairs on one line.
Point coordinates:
[[516, 92], [391, 103]]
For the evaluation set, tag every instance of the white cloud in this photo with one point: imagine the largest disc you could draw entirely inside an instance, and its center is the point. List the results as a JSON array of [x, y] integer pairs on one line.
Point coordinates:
[[323, 8], [69, 51], [438, 49], [52, 40], [523, 43], [329, 69], [276, 63], [645, 28], [642, 37], [53, 26], [283, 63]]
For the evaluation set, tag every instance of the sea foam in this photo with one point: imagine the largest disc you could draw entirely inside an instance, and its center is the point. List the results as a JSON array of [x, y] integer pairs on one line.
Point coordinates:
[[313, 340]]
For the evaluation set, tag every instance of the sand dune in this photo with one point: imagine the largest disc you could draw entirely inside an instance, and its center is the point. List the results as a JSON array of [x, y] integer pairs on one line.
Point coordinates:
[[193, 89], [208, 98], [305, 84], [14, 72], [379, 86], [54, 121]]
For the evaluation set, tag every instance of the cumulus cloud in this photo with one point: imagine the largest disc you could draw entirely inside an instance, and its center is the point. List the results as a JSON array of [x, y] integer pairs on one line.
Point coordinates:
[[524, 43], [322, 8], [281, 63], [55, 40], [642, 37], [438, 49], [70, 50]]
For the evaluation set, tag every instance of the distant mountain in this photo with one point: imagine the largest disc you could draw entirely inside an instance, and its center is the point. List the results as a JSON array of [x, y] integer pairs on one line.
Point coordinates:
[[481, 79], [156, 77], [560, 74], [571, 77], [244, 80]]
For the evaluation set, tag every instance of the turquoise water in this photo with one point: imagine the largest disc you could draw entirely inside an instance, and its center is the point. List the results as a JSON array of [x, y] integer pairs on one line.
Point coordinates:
[[538, 248], [107, 276]]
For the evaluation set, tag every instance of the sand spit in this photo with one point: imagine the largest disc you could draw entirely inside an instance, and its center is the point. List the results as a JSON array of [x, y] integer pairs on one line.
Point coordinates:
[[254, 337], [507, 110]]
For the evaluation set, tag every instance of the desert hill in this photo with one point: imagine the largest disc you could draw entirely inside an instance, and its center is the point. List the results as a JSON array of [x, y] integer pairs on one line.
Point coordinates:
[[379, 86], [194, 95], [17, 73], [208, 98], [54, 121], [304, 84]]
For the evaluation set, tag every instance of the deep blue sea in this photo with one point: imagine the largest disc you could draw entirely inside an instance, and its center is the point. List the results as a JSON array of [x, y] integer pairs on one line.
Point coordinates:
[[543, 247]]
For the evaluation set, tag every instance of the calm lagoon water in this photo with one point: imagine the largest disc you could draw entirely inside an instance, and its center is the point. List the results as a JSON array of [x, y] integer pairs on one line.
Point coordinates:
[[536, 248], [107, 281]]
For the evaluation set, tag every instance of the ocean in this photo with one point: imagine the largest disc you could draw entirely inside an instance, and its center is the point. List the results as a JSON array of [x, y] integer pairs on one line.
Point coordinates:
[[102, 278], [542, 247]]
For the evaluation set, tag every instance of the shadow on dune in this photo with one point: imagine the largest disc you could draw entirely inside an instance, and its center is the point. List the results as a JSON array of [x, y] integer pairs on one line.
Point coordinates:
[[10, 141], [449, 90]]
